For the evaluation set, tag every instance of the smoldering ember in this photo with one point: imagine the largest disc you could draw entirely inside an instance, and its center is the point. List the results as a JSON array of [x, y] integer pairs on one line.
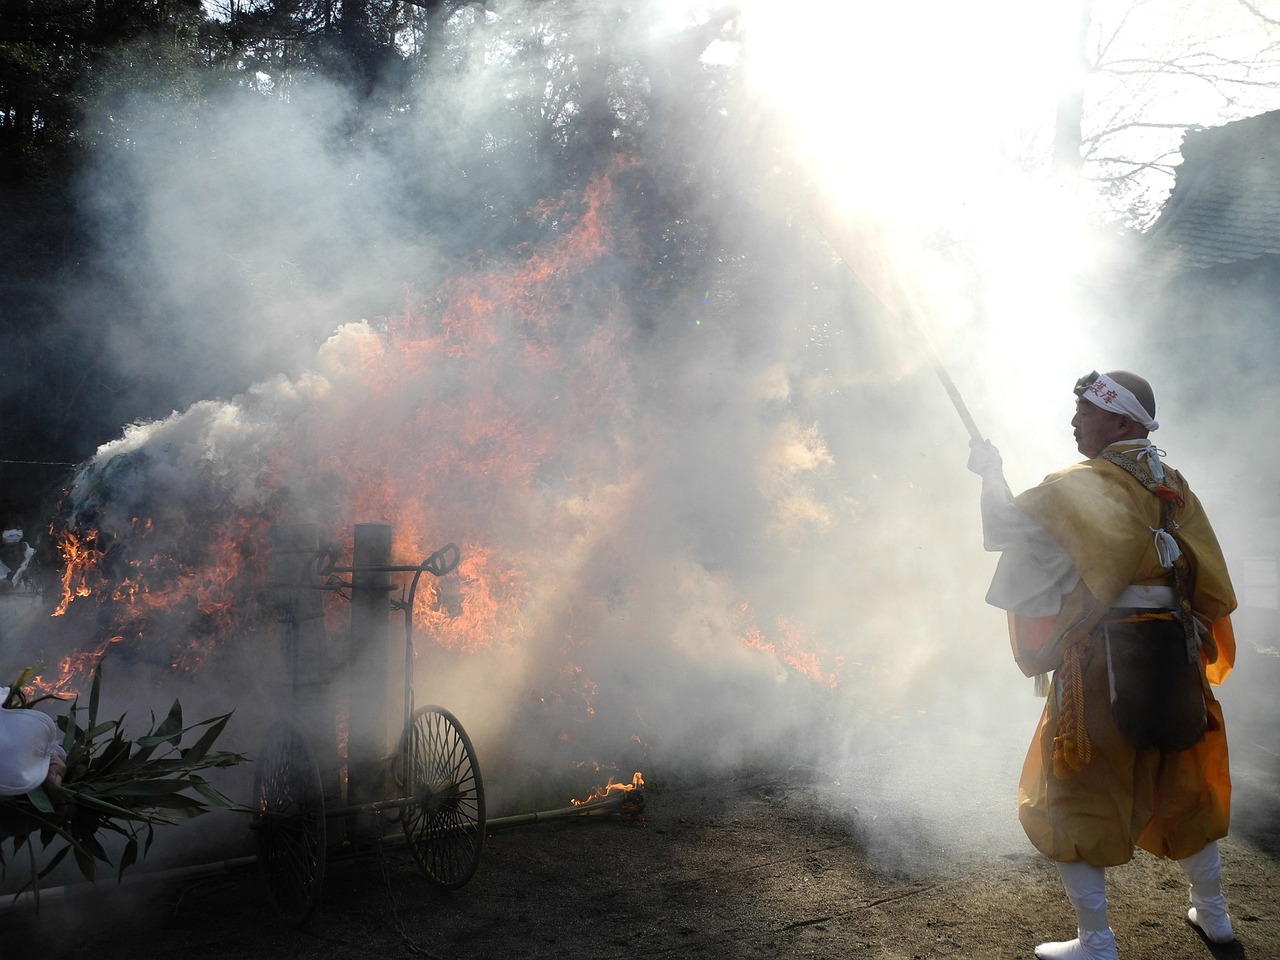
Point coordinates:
[[487, 478]]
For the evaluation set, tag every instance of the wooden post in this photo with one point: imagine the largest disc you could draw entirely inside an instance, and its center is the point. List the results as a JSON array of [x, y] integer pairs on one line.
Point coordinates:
[[304, 645], [370, 676]]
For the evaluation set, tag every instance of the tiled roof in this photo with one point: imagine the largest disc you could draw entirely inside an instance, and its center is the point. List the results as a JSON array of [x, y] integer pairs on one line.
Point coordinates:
[[1225, 202]]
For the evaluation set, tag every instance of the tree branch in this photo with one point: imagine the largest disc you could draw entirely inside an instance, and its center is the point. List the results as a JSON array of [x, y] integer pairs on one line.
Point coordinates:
[[1136, 125], [1258, 13]]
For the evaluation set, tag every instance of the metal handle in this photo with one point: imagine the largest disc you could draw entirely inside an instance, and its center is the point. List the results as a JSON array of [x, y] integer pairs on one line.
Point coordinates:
[[443, 560]]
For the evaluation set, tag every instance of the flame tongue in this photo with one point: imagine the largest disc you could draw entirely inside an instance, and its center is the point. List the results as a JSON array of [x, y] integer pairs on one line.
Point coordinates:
[[612, 788], [80, 558]]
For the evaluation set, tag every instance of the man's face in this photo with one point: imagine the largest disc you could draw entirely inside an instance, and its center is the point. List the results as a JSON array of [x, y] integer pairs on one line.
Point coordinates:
[[1095, 428]]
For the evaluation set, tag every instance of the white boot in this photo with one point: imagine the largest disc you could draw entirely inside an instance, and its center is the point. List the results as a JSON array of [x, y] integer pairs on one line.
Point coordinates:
[[1086, 889], [1213, 921], [1208, 911], [1089, 945]]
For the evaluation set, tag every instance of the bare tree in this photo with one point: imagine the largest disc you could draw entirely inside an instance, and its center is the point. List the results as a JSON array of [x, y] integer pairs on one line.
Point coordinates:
[[1150, 70]]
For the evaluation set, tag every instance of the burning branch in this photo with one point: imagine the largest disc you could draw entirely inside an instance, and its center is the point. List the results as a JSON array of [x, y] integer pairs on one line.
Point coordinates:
[[612, 788], [626, 799]]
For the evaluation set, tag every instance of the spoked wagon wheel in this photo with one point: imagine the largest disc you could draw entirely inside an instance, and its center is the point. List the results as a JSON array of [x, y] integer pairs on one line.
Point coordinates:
[[289, 827], [444, 819]]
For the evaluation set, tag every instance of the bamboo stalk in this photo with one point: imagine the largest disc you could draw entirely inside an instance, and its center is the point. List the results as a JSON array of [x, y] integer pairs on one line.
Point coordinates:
[[610, 803]]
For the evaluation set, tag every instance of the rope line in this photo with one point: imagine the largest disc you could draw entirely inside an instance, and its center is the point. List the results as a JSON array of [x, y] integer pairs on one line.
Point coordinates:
[[396, 922]]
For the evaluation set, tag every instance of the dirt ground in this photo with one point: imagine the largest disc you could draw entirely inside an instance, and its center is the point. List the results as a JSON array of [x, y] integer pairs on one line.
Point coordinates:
[[755, 866], [790, 861]]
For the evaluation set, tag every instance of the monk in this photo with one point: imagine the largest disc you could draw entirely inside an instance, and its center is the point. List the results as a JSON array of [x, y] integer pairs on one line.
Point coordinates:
[[1116, 586]]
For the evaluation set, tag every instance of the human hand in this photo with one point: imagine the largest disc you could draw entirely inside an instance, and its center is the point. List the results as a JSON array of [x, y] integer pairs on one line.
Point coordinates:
[[57, 770], [984, 459]]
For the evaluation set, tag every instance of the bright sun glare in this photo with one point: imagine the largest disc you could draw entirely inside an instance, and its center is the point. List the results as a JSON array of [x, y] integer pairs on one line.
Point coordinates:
[[906, 107], [926, 130], [911, 121]]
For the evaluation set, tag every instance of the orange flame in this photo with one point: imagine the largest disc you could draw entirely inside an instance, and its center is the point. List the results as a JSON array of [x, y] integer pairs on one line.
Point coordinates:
[[796, 648], [80, 556], [150, 584], [612, 787], [71, 673]]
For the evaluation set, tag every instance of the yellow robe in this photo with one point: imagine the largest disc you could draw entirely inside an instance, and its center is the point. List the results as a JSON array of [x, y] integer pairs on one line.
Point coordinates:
[[1170, 804]]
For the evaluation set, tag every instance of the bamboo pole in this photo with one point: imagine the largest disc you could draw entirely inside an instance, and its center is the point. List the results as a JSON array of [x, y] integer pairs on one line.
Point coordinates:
[[610, 803]]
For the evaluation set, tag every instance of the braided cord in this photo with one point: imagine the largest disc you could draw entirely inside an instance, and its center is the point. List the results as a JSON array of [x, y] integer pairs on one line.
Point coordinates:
[[1145, 617], [1072, 749]]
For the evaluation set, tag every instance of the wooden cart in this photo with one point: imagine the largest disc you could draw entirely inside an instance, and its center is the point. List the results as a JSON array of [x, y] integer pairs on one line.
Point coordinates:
[[309, 802]]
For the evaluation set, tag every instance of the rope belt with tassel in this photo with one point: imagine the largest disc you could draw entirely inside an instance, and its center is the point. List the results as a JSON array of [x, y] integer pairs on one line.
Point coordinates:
[[1072, 749]]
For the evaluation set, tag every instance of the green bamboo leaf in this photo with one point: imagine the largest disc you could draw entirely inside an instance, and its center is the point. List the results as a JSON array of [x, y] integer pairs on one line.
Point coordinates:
[[226, 760], [153, 740], [98, 730], [84, 860], [23, 677], [70, 732], [197, 751], [168, 802], [171, 728], [158, 787], [90, 843], [128, 857], [107, 806], [144, 747], [43, 697], [219, 799], [94, 692], [40, 800], [120, 829], [56, 859], [136, 772], [177, 816], [148, 788]]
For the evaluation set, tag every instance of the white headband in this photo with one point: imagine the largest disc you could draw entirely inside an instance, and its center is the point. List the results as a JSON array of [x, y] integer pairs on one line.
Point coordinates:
[[1112, 397]]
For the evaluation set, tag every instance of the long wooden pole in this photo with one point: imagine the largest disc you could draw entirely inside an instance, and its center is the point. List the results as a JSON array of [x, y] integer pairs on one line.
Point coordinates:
[[948, 384]]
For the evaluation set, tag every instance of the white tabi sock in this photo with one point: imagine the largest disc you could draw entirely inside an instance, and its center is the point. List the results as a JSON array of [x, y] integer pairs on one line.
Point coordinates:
[[1086, 889], [1089, 945], [1208, 910]]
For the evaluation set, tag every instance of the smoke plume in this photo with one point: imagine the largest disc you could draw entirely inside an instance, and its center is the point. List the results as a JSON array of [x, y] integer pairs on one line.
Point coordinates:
[[710, 497]]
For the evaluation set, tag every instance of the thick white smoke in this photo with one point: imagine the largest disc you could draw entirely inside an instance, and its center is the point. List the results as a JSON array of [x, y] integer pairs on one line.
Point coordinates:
[[740, 529]]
